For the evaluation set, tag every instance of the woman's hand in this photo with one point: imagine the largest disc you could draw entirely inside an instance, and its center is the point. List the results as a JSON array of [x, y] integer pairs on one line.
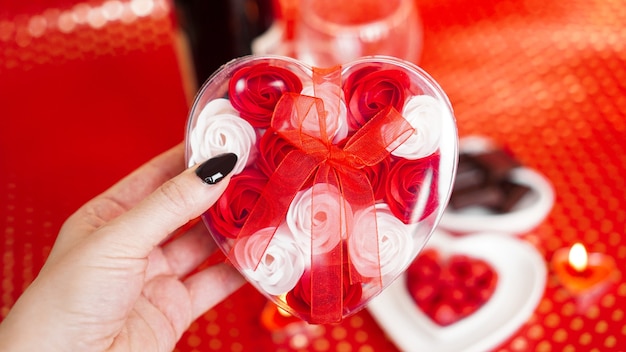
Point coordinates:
[[110, 283]]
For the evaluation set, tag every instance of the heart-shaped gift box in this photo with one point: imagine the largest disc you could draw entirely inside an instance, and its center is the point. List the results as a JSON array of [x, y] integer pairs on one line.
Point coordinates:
[[342, 175]]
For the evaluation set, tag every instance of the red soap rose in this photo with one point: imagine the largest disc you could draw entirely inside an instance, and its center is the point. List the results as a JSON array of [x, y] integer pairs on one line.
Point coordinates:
[[255, 90], [300, 297], [370, 90], [272, 148], [231, 210], [405, 183]]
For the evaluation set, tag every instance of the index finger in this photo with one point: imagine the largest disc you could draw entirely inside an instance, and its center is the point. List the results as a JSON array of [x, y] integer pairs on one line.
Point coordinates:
[[170, 206], [121, 197]]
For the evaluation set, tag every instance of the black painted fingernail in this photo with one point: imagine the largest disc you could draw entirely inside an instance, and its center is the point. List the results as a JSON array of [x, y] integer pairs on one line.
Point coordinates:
[[215, 169]]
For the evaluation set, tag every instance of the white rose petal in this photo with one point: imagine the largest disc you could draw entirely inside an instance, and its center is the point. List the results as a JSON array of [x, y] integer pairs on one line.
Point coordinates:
[[320, 210], [281, 263], [336, 117], [218, 130], [395, 243], [424, 113]]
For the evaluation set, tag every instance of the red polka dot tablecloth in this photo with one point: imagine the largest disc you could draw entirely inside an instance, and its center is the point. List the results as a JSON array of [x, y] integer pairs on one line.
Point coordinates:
[[89, 90]]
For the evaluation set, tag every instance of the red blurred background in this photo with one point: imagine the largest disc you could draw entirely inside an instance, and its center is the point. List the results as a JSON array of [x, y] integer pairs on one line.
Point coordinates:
[[86, 96]]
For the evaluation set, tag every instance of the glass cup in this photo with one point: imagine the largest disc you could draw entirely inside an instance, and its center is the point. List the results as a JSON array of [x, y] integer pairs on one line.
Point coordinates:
[[332, 32]]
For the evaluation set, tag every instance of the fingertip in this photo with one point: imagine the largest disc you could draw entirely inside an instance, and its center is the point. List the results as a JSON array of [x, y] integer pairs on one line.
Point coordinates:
[[217, 168]]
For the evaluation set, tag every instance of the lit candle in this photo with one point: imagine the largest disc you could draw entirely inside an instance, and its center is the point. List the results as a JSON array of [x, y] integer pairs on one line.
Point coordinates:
[[275, 318], [286, 329], [585, 275]]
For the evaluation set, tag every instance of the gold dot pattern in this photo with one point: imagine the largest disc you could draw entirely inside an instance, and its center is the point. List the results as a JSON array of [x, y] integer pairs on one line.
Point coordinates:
[[99, 30], [544, 78]]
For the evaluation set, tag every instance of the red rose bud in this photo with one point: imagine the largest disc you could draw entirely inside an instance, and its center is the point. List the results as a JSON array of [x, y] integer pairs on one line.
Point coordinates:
[[370, 90], [272, 148], [255, 90], [231, 210], [406, 182]]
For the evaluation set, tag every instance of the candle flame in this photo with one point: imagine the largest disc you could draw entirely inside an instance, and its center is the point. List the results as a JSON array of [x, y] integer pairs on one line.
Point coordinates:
[[578, 257]]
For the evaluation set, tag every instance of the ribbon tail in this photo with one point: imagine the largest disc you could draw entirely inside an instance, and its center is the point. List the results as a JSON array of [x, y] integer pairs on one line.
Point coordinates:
[[358, 191], [333, 276], [327, 268]]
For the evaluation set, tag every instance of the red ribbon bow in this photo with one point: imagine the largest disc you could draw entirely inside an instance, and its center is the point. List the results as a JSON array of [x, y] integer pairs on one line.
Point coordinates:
[[317, 156]]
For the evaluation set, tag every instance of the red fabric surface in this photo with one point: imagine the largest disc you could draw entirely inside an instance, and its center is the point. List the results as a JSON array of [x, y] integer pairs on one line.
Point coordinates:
[[80, 108]]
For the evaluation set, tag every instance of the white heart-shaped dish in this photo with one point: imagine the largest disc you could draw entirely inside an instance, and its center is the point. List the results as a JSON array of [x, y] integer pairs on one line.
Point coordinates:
[[521, 282], [530, 211]]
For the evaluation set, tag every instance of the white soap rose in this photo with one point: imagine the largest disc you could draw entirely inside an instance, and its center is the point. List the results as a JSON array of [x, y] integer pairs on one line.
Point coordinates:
[[321, 210], [281, 263], [218, 130], [393, 250], [424, 113], [336, 115]]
